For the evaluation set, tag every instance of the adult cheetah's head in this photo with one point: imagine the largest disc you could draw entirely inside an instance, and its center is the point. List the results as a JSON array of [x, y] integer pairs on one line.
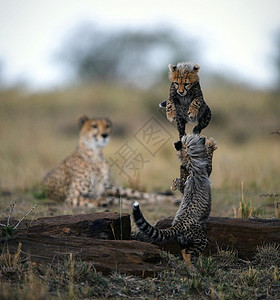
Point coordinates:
[[95, 132]]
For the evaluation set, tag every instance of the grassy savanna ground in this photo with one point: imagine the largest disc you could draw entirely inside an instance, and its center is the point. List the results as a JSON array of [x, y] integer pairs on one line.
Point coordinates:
[[221, 276], [38, 130]]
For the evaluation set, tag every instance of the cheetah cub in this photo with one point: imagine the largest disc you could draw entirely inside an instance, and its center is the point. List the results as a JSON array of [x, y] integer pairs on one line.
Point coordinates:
[[83, 176], [179, 183], [186, 103], [189, 225]]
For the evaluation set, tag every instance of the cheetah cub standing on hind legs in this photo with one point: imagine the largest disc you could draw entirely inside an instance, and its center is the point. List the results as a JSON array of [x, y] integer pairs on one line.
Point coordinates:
[[82, 178], [189, 224], [186, 103]]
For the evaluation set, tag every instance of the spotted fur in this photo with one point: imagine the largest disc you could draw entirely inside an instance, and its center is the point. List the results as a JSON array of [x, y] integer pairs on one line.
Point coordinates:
[[186, 100], [179, 183], [126, 193], [169, 110], [188, 226], [82, 177]]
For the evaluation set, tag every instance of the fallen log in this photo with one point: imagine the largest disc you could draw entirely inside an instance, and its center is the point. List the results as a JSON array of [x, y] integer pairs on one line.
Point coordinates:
[[130, 257], [93, 237], [243, 235], [108, 225], [89, 237]]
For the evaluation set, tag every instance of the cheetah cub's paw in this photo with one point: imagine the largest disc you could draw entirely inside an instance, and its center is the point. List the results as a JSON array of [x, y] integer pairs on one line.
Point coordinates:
[[192, 113], [211, 145], [175, 184]]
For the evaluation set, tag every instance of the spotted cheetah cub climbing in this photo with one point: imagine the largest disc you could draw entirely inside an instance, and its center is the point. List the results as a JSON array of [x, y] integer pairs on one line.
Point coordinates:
[[83, 176], [179, 183], [188, 226], [186, 103]]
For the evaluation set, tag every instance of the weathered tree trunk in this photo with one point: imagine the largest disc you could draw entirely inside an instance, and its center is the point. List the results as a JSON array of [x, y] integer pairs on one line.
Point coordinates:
[[90, 237], [96, 238], [109, 226], [243, 235], [130, 257]]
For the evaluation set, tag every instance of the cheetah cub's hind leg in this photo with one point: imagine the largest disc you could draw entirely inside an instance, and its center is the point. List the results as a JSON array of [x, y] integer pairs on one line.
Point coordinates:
[[187, 258]]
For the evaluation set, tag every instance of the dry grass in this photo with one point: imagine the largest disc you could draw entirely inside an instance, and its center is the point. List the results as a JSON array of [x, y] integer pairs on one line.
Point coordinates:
[[39, 130], [221, 276]]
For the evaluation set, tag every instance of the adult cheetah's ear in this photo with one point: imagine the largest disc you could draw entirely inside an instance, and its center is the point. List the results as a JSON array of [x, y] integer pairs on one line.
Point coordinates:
[[196, 67], [172, 68], [82, 120], [109, 122], [178, 145]]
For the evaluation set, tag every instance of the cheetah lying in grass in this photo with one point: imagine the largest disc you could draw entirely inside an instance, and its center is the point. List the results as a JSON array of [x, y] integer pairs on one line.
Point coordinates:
[[82, 177]]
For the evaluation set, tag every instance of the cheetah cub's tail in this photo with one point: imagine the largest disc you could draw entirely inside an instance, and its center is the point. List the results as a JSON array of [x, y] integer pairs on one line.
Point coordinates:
[[159, 235]]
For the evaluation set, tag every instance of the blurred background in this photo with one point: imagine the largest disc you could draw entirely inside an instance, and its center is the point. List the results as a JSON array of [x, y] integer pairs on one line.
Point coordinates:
[[60, 59]]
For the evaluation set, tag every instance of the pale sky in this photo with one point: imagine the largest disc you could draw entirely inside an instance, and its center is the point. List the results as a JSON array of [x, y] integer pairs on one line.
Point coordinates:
[[236, 36]]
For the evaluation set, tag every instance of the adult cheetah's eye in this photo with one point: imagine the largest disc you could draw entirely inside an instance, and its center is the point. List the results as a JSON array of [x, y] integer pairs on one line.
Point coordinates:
[[94, 125]]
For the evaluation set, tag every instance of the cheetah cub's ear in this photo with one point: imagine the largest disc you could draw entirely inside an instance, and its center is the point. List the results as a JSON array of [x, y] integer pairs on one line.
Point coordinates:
[[178, 145], [196, 67], [82, 120], [172, 68]]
